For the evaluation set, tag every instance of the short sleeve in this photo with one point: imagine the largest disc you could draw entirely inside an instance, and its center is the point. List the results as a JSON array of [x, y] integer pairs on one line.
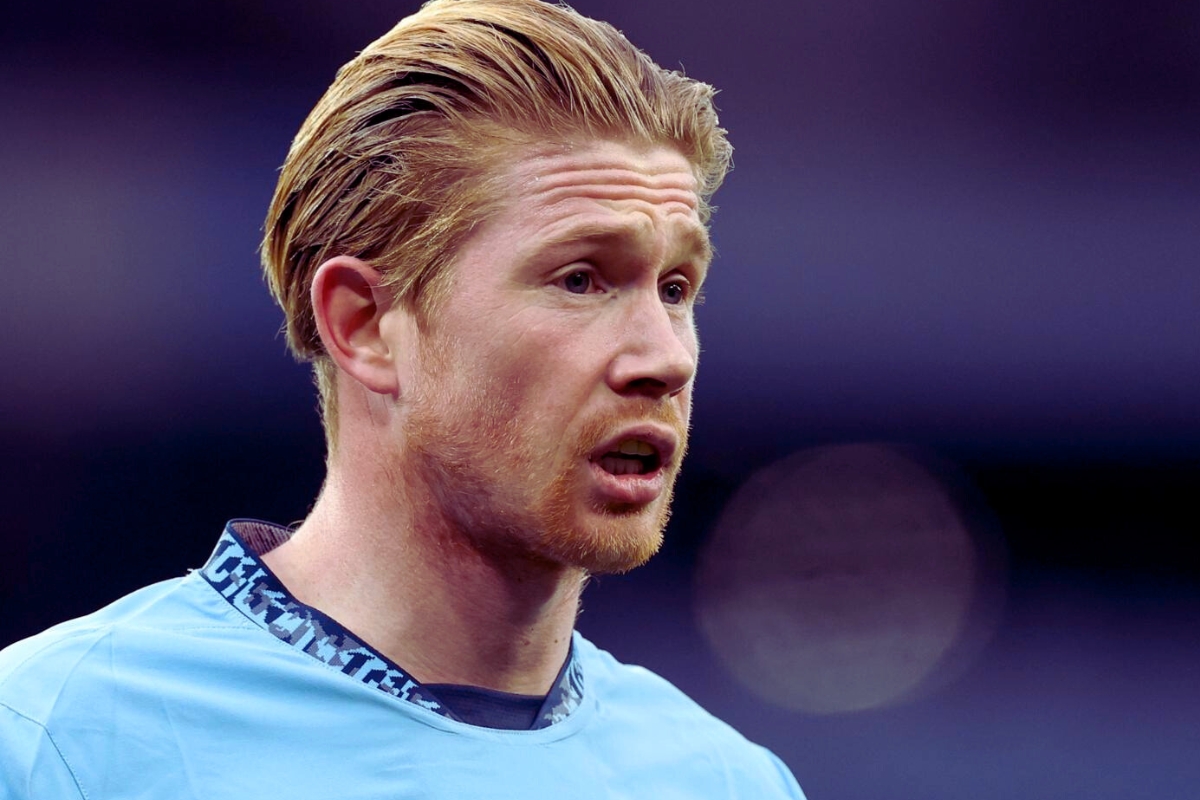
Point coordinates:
[[31, 766], [787, 779]]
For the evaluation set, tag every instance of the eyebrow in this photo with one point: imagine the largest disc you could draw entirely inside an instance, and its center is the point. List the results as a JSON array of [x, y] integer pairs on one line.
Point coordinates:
[[696, 246]]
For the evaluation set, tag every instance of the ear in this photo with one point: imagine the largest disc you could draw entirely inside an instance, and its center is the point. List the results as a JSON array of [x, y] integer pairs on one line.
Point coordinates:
[[349, 303]]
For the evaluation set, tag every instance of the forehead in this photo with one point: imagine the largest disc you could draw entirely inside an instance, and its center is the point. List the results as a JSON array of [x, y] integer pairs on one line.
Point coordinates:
[[600, 187], [656, 173]]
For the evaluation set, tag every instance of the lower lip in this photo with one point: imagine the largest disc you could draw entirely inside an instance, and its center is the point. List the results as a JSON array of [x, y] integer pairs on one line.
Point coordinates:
[[631, 489]]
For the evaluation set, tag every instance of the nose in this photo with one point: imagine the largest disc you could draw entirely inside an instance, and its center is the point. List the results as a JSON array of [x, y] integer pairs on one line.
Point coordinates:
[[656, 351]]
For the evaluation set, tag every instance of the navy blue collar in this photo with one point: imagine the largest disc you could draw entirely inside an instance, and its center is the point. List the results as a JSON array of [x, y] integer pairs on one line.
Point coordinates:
[[235, 570]]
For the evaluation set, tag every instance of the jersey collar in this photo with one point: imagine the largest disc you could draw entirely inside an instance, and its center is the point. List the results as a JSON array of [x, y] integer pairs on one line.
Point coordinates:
[[237, 572]]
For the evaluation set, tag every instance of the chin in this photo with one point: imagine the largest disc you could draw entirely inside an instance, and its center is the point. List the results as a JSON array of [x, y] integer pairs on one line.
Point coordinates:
[[609, 541]]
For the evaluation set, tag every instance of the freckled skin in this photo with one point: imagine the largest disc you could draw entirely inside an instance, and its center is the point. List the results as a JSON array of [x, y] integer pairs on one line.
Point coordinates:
[[570, 320]]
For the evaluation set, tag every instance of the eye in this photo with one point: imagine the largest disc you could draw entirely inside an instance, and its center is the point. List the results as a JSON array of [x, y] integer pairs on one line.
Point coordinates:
[[578, 282], [673, 292]]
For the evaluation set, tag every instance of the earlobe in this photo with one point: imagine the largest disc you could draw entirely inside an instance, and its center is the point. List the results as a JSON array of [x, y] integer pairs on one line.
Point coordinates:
[[349, 303]]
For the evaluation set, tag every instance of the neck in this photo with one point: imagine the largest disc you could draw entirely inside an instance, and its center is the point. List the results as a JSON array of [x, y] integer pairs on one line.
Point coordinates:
[[422, 595]]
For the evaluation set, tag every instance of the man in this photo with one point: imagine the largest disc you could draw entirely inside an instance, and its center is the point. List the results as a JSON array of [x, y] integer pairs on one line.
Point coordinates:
[[488, 238]]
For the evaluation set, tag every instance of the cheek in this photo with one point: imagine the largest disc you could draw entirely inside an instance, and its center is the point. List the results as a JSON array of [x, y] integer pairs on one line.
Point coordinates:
[[688, 333], [685, 403], [567, 352], [539, 382]]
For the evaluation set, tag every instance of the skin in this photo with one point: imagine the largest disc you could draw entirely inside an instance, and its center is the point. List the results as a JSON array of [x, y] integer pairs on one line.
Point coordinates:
[[468, 501]]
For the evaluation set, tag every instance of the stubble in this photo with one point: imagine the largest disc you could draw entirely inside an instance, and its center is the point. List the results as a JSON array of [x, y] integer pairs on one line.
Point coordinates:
[[478, 452]]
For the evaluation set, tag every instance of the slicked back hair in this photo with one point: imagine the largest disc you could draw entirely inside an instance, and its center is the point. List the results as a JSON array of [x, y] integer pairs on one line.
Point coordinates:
[[403, 155]]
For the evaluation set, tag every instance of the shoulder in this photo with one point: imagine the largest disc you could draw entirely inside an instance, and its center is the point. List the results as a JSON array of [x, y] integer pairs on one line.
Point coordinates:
[[67, 680], [616, 681], [644, 706], [111, 646], [641, 691]]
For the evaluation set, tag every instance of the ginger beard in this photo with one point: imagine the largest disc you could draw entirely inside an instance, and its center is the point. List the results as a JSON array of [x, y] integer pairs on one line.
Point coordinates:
[[510, 486]]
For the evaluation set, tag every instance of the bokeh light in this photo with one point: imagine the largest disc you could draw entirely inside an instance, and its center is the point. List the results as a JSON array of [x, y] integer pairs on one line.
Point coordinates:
[[843, 578]]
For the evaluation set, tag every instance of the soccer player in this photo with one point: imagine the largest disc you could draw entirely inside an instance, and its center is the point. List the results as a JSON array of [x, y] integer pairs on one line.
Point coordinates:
[[488, 238]]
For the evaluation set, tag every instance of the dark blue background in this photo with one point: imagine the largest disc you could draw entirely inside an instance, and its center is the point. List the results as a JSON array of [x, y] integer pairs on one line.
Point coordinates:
[[967, 226]]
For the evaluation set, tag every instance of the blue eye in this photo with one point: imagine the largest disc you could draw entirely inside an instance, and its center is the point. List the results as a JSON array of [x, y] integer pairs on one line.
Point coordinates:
[[577, 282], [672, 292]]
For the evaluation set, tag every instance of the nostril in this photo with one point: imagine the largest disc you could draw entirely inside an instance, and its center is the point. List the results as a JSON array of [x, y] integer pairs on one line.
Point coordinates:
[[650, 387]]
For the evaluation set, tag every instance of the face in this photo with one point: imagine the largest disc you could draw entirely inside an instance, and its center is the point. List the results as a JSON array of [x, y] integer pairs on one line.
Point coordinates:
[[549, 404]]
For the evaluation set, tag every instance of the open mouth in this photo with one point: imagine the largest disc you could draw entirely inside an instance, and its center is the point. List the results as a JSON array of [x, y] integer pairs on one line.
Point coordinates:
[[630, 457]]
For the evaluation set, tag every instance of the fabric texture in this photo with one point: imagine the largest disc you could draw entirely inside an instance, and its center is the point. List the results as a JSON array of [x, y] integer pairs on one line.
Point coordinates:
[[221, 685]]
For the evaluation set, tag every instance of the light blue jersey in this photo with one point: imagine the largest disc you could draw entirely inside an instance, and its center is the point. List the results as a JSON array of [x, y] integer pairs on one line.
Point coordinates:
[[221, 685]]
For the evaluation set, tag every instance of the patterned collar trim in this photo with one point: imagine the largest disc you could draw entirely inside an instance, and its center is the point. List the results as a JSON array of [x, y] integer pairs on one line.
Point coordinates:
[[238, 574]]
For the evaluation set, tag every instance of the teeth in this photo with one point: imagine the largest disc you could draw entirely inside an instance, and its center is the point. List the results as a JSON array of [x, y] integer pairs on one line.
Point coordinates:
[[621, 466], [633, 447]]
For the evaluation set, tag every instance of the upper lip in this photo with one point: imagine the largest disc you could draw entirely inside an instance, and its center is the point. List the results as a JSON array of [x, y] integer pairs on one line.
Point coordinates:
[[662, 439]]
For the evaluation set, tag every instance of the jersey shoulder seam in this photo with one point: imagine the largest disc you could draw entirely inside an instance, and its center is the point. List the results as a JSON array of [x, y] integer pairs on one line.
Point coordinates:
[[57, 750]]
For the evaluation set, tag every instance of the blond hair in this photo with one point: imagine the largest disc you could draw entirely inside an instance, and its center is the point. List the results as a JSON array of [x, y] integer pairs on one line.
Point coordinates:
[[401, 156]]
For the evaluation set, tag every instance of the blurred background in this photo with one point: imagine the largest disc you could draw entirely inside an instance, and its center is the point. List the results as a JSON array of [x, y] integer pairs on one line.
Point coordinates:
[[937, 537]]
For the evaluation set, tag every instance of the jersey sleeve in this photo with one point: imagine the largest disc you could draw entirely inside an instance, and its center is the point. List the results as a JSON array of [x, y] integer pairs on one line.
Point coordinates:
[[787, 779], [31, 766]]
